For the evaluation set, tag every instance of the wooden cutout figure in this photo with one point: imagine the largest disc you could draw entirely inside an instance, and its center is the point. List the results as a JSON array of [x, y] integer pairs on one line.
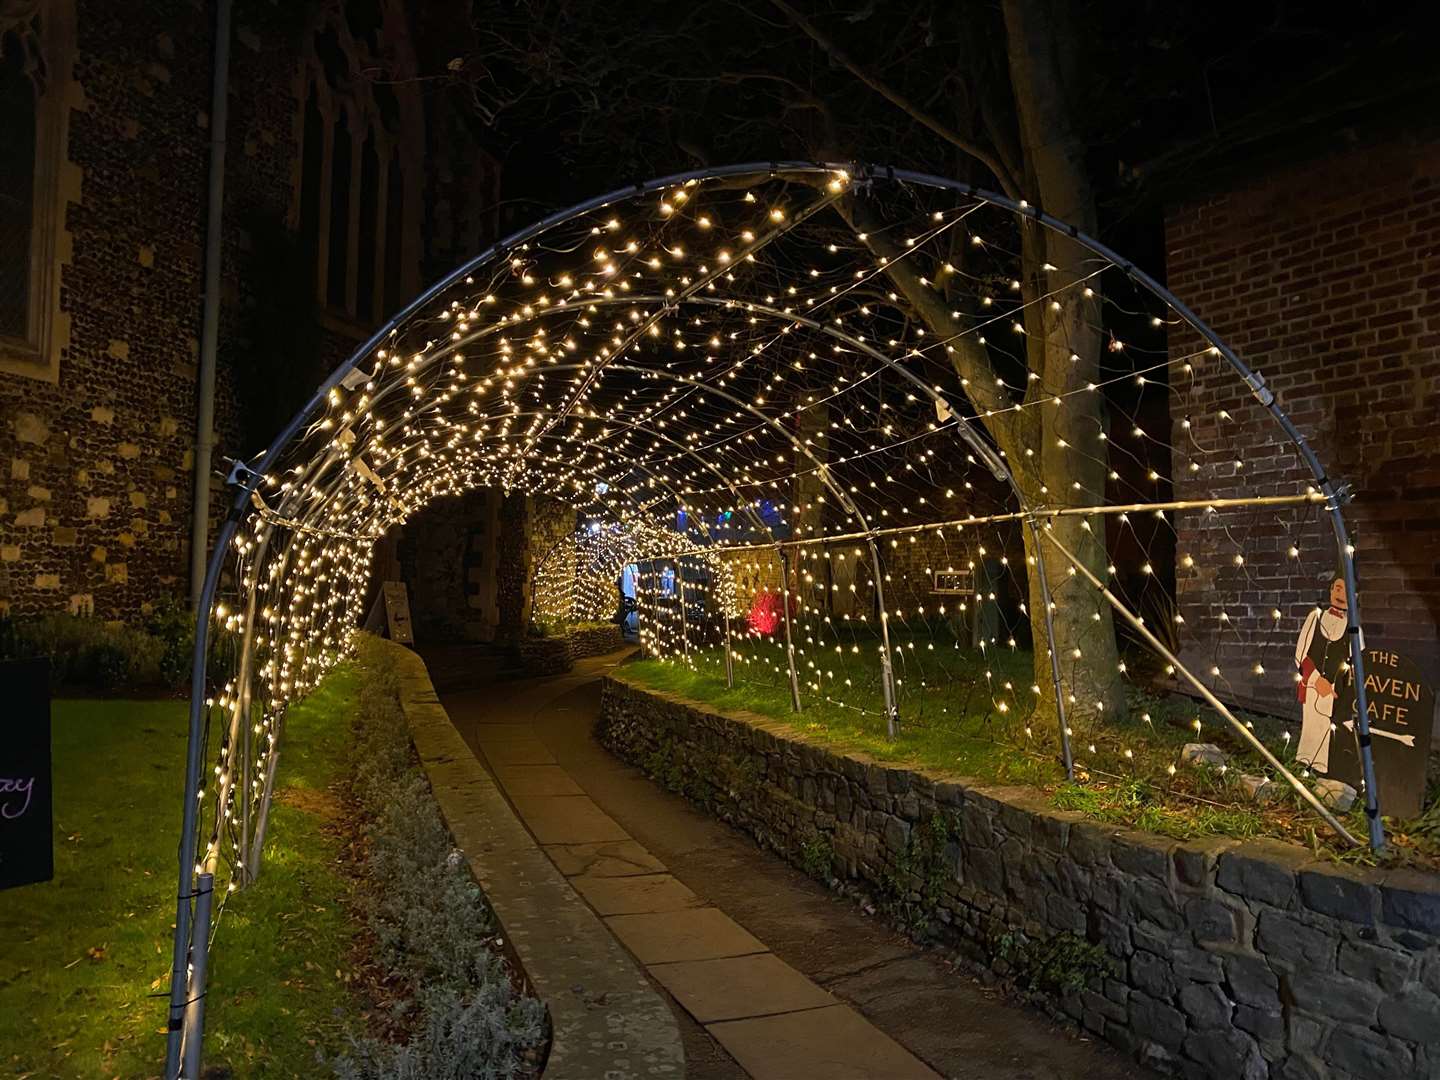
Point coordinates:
[[1320, 656]]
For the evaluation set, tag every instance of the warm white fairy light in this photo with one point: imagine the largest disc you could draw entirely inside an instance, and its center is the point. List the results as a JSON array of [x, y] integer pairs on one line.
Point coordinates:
[[702, 369]]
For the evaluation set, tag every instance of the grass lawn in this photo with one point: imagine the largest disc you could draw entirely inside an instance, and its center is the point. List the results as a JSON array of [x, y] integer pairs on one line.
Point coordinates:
[[84, 968], [972, 714]]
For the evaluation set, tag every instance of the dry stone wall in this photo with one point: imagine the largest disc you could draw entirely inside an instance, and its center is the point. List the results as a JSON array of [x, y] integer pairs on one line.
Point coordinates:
[[1205, 959]]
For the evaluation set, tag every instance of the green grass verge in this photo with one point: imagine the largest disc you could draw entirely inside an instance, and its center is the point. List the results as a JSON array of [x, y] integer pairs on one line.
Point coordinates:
[[85, 956], [967, 735], [972, 714]]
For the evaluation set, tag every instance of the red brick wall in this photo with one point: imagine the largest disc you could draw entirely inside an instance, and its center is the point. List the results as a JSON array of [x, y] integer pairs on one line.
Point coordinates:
[[1325, 278]]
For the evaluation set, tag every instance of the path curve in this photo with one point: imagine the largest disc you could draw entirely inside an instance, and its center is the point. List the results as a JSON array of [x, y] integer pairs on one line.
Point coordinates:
[[771, 975]]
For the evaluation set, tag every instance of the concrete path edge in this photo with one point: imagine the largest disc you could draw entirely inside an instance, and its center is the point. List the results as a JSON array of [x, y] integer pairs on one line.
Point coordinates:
[[607, 1019]]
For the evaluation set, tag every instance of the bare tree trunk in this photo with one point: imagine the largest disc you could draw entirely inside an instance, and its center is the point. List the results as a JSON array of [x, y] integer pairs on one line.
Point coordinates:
[[1070, 461]]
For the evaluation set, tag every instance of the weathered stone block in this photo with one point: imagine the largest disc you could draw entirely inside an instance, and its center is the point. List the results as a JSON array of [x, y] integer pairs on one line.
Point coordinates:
[[1156, 1021], [1286, 940], [1413, 1015], [1411, 900], [1195, 860], [1251, 981], [1090, 843], [1338, 891], [1259, 870], [1206, 1005], [1338, 996], [1154, 901], [976, 826], [1211, 920], [1336, 794], [1065, 915], [1151, 974], [1267, 1025], [1141, 855], [896, 833], [1227, 1053], [1387, 968], [985, 872], [1202, 754], [1196, 965], [1364, 1053]]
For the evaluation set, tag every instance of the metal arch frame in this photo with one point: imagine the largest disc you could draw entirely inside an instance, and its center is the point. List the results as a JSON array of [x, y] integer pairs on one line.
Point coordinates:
[[185, 1024]]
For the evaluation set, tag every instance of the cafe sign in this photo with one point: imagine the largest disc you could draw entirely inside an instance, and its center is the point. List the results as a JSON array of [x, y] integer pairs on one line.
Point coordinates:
[[1400, 704]]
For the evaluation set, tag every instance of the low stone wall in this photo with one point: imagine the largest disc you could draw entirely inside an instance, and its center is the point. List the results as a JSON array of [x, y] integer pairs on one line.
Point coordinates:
[[595, 641], [555, 656], [1213, 958], [543, 655]]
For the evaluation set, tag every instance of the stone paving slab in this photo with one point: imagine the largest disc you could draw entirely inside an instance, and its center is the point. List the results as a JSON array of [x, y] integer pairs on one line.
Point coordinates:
[[615, 858], [529, 751], [836, 1043], [695, 934], [739, 986], [635, 894], [536, 780], [490, 734], [567, 819]]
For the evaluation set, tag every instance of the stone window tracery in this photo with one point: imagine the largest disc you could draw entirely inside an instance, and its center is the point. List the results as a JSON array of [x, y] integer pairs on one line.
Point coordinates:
[[357, 208], [36, 48]]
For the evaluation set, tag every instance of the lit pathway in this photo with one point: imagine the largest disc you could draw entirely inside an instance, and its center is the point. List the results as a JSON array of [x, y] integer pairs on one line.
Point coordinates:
[[791, 981]]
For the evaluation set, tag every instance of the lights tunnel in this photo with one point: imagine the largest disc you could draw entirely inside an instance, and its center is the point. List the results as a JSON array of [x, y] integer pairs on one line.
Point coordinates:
[[873, 439]]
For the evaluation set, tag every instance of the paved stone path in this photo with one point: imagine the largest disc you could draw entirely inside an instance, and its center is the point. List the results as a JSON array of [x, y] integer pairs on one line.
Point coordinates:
[[791, 981], [607, 1019]]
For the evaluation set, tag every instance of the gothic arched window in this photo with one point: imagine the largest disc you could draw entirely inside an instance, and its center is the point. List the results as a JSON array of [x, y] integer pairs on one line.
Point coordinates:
[[356, 212], [35, 57]]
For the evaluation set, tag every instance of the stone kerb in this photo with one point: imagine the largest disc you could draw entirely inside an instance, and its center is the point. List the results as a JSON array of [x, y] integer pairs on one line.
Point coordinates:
[[1226, 958], [606, 1019]]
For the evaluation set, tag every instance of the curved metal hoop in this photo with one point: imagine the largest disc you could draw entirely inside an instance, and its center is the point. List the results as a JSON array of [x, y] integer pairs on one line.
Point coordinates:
[[186, 1005]]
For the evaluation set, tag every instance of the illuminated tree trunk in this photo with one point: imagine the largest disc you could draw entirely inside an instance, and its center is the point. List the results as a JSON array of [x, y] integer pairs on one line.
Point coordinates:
[[1064, 348]]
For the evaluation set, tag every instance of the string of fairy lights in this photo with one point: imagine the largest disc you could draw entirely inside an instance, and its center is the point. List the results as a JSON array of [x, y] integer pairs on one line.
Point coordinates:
[[790, 435]]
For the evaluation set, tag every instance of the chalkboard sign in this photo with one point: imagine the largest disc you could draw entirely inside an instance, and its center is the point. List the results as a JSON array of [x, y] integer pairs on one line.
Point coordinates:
[[1401, 706], [27, 849]]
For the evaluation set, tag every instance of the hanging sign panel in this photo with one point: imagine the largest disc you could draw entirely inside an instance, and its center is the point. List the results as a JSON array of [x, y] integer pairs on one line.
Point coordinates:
[[1401, 707], [27, 831], [953, 583], [397, 612]]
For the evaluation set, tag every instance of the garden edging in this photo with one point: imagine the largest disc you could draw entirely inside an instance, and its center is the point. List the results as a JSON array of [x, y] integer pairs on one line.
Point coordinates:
[[1248, 959], [606, 1019]]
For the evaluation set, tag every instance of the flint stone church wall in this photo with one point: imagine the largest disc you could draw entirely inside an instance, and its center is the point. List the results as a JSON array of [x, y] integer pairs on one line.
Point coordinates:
[[1250, 959]]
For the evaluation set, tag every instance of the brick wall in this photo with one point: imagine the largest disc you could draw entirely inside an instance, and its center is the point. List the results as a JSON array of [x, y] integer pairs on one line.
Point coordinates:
[[1324, 278], [95, 467]]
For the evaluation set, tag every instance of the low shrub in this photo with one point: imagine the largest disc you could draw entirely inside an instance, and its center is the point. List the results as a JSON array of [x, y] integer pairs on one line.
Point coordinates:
[[172, 623], [88, 653], [434, 932]]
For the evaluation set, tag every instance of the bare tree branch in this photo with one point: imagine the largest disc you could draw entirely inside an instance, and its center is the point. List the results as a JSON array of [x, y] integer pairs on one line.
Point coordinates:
[[900, 101]]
